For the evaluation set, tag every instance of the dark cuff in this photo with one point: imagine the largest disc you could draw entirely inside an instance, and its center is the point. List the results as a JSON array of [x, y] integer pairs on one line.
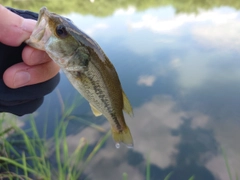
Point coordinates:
[[26, 99]]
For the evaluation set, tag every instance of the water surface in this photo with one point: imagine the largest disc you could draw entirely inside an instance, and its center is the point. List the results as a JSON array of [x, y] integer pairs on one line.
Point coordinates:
[[181, 74]]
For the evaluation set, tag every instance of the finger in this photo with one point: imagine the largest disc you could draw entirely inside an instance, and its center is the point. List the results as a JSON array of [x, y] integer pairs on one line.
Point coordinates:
[[21, 74], [14, 29], [32, 56]]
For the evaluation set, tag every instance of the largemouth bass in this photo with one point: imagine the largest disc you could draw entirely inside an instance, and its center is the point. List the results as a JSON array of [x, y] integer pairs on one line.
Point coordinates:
[[87, 67]]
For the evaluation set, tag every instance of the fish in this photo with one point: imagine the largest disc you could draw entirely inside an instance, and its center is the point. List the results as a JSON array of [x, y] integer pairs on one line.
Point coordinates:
[[87, 68]]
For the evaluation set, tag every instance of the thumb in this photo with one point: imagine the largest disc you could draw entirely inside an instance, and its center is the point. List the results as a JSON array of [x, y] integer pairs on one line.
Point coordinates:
[[14, 29]]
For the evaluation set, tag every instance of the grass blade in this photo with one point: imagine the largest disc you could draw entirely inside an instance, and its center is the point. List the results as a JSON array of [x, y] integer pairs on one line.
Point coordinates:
[[148, 175], [24, 164], [191, 178], [15, 163], [98, 146], [168, 176], [6, 131], [226, 163], [125, 176], [95, 126]]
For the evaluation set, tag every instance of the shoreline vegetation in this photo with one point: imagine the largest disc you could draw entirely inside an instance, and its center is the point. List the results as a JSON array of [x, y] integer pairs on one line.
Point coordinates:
[[26, 155], [103, 8]]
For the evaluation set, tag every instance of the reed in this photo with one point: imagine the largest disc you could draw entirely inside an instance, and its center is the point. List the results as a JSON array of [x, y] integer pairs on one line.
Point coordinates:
[[33, 160]]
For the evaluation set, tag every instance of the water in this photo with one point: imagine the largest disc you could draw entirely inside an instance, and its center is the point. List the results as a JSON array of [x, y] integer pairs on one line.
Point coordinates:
[[181, 74], [117, 145]]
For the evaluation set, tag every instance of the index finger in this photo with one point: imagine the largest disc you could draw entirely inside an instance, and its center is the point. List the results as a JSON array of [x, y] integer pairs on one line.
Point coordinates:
[[14, 28]]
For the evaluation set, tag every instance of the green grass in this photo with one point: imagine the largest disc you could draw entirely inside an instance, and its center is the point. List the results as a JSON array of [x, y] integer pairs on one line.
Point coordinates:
[[168, 176], [32, 160], [148, 175]]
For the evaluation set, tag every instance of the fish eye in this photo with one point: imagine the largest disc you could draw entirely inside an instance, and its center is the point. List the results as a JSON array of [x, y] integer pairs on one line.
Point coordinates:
[[61, 31]]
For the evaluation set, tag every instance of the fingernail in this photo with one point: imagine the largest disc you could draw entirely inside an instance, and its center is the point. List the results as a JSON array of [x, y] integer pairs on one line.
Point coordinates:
[[21, 78]]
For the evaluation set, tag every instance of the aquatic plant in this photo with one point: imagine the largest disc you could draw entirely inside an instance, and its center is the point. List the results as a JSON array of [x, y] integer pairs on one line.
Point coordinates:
[[25, 156]]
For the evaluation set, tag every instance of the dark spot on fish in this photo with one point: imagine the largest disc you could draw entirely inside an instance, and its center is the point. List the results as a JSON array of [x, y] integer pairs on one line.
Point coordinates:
[[85, 61], [76, 74]]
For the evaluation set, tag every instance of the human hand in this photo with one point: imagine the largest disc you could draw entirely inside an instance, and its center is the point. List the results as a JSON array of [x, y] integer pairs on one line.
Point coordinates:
[[36, 66]]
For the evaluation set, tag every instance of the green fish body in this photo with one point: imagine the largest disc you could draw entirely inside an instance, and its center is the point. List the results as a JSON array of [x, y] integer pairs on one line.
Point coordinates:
[[87, 68]]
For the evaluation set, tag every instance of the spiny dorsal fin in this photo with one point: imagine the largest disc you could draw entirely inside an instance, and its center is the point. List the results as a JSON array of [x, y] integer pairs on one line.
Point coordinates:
[[126, 105], [95, 111]]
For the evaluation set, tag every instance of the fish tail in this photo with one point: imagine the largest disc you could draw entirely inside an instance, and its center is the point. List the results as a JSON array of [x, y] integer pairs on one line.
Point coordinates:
[[123, 136]]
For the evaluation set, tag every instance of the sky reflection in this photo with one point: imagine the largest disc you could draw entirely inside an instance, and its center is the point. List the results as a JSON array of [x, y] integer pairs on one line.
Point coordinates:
[[181, 73]]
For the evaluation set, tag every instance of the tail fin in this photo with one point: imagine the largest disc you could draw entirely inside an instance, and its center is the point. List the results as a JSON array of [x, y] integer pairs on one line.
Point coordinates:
[[124, 137]]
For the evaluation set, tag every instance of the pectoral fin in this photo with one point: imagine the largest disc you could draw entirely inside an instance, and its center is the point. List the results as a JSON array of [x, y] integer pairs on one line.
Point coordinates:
[[126, 105], [95, 111]]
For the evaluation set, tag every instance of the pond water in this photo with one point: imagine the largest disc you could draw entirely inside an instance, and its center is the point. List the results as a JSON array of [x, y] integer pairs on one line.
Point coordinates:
[[181, 74]]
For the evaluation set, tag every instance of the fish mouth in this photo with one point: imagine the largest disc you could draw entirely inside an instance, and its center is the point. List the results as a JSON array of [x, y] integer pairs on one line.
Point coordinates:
[[41, 32], [43, 11]]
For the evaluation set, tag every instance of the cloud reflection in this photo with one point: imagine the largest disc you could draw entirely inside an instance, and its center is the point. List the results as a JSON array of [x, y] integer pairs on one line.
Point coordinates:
[[146, 80], [159, 131], [151, 129], [187, 51]]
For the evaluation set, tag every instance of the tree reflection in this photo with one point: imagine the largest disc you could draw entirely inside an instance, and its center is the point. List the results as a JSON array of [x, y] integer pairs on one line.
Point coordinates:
[[107, 7]]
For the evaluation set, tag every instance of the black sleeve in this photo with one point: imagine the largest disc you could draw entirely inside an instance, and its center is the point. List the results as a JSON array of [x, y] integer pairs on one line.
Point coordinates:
[[26, 99]]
